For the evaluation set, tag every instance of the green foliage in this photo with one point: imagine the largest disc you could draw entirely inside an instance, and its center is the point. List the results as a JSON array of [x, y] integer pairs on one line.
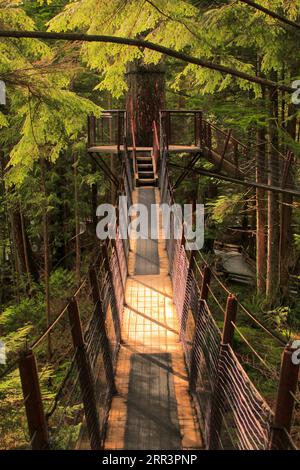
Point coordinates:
[[61, 280], [15, 316], [225, 207], [278, 320]]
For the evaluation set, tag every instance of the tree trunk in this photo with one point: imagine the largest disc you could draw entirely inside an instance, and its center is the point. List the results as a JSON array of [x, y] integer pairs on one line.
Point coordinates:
[[112, 161], [23, 246], [273, 205], [286, 236], [46, 252], [94, 197], [261, 218], [77, 223], [145, 97]]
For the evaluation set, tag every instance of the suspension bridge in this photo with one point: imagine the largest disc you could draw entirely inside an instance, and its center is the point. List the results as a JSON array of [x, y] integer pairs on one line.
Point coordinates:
[[149, 366]]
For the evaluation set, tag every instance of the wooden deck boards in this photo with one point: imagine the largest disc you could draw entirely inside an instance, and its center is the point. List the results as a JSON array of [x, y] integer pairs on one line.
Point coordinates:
[[150, 336]]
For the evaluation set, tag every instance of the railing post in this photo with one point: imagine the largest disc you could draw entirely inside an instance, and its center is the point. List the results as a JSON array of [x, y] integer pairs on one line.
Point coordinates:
[[115, 310], [114, 244], [168, 133], [230, 318], [228, 137], [209, 137], [89, 130], [284, 408], [104, 342], [205, 282], [119, 131], [193, 375], [37, 425], [187, 293], [86, 379], [216, 418], [92, 129], [197, 125]]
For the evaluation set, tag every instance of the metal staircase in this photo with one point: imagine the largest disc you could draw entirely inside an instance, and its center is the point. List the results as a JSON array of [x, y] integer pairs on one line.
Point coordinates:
[[145, 170]]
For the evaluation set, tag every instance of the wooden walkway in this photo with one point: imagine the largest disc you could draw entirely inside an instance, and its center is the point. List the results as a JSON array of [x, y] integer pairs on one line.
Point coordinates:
[[153, 408]]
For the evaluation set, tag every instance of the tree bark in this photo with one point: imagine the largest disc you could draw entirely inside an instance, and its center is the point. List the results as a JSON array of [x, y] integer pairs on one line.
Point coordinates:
[[94, 197], [23, 245], [261, 218], [77, 223], [145, 97], [113, 191], [286, 236], [46, 252], [272, 283]]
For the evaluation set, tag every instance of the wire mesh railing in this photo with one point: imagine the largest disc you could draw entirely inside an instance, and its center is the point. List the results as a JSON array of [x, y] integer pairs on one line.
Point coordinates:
[[233, 414], [248, 163], [107, 130]]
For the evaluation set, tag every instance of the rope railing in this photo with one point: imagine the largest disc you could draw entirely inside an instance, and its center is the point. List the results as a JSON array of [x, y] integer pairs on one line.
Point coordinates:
[[253, 317], [69, 409]]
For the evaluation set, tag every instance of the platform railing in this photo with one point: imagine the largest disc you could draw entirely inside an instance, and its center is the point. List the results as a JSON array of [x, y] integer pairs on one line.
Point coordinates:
[[156, 148], [107, 130], [182, 127]]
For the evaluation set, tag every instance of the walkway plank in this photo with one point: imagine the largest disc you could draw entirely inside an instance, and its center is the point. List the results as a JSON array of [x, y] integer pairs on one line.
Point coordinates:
[[151, 370]]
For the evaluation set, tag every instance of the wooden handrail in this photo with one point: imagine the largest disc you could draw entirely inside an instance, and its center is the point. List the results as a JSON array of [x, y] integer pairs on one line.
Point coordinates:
[[133, 147], [156, 147]]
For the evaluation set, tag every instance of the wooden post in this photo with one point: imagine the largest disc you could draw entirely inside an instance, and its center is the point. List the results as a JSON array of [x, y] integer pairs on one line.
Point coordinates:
[[92, 128], [94, 285], [89, 130], [118, 131], [114, 244], [168, 129], [284, 408], [230, 318], [37, 425], [216, 417], [187, 295], [193, 375], [115, 311], [205, 282], [198, 119], [103, 337], [86, 379]]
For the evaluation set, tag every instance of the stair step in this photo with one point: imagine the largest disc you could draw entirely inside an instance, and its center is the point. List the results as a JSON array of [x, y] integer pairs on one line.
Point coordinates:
[[146, 174], [146, 182], [145, 166], [144, 159]]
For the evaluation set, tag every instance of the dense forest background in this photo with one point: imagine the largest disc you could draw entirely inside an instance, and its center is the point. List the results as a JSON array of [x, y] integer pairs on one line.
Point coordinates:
[[49, 187]]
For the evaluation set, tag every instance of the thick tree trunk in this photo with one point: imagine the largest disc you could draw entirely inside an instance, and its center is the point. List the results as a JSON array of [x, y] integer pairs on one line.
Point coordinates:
[[145, 97], [273, 205]]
